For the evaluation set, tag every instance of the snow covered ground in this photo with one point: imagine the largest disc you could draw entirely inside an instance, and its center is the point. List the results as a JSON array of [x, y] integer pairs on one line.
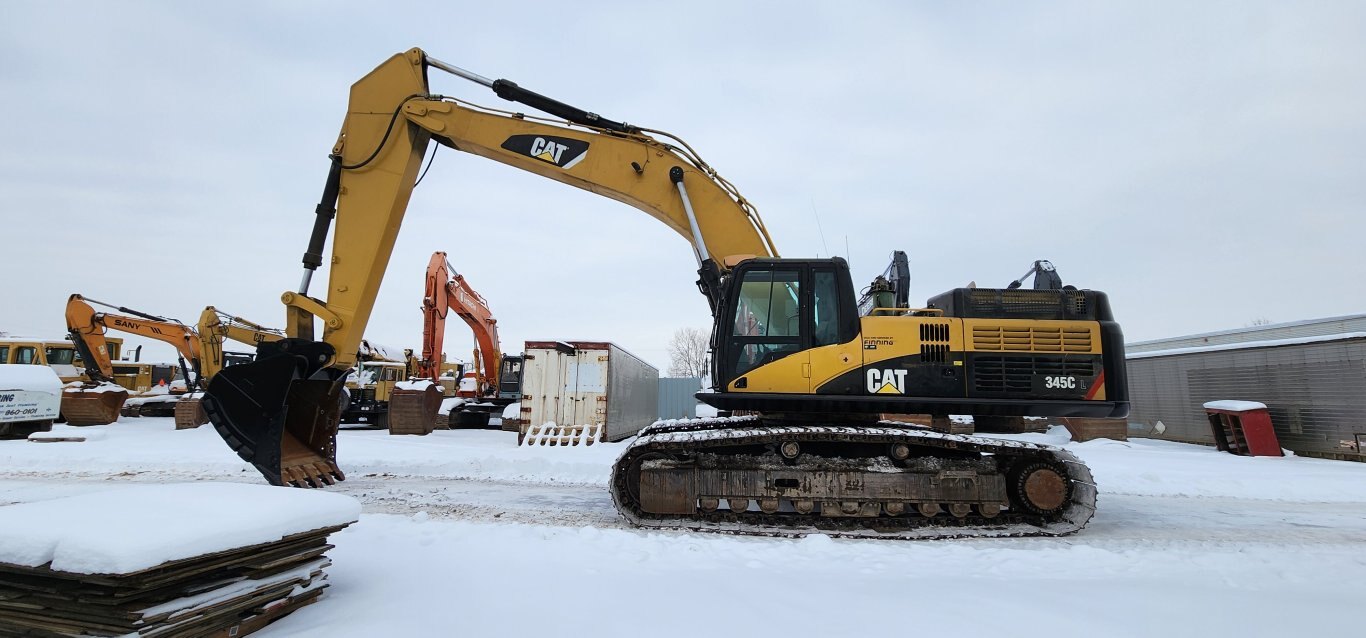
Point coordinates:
[[464, 533]]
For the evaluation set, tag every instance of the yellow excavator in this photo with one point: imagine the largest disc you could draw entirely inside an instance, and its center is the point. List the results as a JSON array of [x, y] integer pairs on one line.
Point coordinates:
[[200, 351], [791, 352]]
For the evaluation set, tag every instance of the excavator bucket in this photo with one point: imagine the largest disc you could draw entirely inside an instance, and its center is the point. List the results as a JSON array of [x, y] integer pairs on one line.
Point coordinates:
[[414, 411], [280, 412], [189, 412], [92, 406]]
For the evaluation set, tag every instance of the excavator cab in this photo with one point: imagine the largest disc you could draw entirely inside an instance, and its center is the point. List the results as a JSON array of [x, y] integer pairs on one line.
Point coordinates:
[[510, 377], [779, 309]]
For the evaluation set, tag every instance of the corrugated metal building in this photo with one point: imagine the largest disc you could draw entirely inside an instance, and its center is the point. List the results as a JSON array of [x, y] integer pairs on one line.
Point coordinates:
[[1290, 330], [676, 397], [1310, 374]]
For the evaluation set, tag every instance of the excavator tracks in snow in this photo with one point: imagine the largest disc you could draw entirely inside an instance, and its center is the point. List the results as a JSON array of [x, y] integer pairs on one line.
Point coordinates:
[[767, 476]]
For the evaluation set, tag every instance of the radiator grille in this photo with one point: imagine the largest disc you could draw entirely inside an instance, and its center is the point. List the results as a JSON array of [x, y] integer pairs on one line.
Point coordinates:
[[934, 342], [1016, 374], [1031, 339], [1037, 304]]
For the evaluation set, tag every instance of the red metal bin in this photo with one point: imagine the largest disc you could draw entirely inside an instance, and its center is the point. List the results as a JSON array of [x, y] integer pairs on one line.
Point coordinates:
[[1242, 428]]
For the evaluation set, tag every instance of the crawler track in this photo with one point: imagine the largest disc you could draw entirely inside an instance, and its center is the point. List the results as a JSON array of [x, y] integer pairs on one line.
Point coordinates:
[[717, 435]]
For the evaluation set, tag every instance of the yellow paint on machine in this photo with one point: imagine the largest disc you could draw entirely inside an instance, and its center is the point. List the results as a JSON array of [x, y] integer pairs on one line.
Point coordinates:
[[883, 338], [788, 375]]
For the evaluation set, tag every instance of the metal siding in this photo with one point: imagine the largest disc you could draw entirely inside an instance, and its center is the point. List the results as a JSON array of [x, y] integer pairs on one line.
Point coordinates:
[[1292, 330], [632, 394], [1315, 392], [676, 397]]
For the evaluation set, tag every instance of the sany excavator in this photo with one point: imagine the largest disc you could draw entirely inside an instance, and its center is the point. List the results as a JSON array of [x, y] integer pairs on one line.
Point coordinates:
[[789, 347], [448, 290], [202, 348], [87, 327]]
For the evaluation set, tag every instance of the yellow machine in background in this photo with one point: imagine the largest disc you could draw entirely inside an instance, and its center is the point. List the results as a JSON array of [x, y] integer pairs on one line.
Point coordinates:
[[370, 388], [789, 345], [200, 351], [60, 355]]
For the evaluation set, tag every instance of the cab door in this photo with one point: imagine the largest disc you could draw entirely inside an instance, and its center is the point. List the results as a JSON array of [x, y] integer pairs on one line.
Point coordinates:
[[835, 351]]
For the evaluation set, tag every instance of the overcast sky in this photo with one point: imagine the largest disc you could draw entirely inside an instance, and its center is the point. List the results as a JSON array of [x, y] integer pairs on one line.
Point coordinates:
[[1203, 163]]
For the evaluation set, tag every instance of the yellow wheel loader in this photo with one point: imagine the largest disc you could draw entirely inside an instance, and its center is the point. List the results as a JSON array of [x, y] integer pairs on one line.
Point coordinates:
[[790, 350]]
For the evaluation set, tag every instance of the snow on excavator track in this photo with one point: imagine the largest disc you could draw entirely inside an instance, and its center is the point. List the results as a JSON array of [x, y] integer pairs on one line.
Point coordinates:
[[927, 485]]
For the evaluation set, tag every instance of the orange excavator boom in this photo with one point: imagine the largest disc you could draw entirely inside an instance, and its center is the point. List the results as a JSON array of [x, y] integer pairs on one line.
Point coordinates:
[[448, 290]]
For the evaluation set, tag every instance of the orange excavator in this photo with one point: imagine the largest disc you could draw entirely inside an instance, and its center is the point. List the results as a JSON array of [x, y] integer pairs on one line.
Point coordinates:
[[448, 290], [98, 403]]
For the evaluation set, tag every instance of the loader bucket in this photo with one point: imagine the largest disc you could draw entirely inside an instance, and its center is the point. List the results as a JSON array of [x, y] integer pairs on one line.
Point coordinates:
[[414, 411], [92, 407], [280, 412]]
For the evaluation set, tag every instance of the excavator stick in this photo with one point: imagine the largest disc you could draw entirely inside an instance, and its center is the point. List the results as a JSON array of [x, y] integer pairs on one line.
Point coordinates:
[[93, 406], [280, 412]]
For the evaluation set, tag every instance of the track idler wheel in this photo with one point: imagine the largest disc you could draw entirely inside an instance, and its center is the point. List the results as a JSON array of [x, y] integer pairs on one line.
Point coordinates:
[[1039, 487]]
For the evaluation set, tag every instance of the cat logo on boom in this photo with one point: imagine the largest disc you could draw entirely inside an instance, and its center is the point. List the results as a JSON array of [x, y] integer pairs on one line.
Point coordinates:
[[560, 151], [886, 381]]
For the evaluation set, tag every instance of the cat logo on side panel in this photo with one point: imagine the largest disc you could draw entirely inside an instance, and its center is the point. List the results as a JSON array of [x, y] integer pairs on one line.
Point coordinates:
[[886, 381]]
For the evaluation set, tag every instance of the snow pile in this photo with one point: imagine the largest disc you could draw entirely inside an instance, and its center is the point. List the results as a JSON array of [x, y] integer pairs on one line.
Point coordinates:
[[419, 385], [1235, 406], [101, 387], [513, 411], [449, 404], [134, 528], [152, 445], [1085, 585], [372, 350], [1150, 467], [29, 377]]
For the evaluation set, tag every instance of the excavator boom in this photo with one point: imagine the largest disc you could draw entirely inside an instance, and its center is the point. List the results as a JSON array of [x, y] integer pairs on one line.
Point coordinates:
[[291, 393]]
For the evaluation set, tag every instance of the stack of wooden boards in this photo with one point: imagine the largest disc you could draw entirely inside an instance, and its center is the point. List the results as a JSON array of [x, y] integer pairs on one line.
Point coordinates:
[[87, 585]]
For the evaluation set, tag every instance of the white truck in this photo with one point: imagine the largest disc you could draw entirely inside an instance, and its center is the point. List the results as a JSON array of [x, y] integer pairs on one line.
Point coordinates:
[[30, 399]]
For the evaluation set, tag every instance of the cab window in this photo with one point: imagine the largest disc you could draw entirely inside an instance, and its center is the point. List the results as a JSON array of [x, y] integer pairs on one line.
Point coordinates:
[[768, 322], [825, 319], [4, 354], [25, 354], [60, 356]]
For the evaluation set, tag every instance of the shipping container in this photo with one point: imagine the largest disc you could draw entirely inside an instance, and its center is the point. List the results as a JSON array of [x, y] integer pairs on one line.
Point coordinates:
[[588, 383]]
